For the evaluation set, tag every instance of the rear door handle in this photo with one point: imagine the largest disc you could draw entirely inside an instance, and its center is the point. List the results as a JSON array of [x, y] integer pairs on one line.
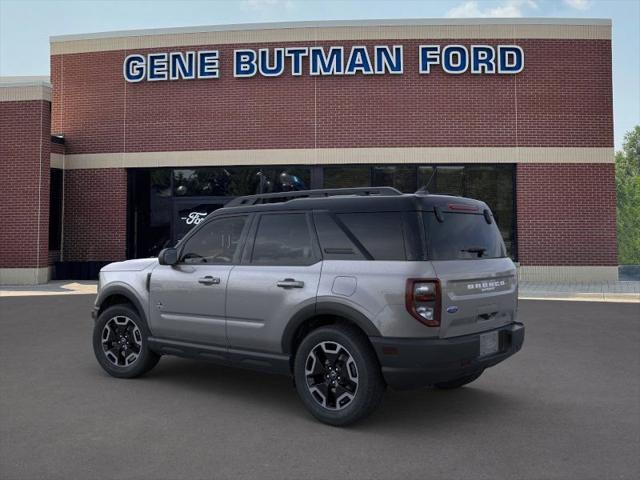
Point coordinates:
[[290, 283], [209, 280]]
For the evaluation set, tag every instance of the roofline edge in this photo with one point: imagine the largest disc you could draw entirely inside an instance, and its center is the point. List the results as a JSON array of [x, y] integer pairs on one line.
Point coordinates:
[[332, 24]]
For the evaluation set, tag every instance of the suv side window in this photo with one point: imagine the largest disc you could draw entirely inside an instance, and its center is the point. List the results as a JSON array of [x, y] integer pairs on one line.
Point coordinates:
[[334, 239], [215, 243], [283, 239], [380, 233]]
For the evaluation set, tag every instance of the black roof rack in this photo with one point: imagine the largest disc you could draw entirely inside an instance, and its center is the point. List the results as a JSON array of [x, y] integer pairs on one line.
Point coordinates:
[[328, 192]]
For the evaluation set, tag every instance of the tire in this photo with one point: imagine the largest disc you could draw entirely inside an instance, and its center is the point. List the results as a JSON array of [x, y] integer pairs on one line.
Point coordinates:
[[349, 386], [458, 382], [124, 322]]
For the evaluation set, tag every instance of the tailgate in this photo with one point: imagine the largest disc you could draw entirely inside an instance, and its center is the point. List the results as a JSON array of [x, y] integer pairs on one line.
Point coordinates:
[[477, 295]]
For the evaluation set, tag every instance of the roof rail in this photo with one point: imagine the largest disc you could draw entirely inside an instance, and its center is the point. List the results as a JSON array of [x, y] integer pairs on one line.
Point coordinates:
[[327, 192]]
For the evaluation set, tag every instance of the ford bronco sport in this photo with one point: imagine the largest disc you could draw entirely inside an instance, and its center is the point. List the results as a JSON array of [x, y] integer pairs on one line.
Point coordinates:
[[346, 290]]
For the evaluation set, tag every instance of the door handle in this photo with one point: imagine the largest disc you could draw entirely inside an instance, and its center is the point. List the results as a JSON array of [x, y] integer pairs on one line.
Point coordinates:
[[290, 283], [209, 280]]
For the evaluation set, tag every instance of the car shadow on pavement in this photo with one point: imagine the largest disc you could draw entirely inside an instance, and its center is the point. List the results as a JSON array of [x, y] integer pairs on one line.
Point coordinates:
[[433, 409], [400, 410]]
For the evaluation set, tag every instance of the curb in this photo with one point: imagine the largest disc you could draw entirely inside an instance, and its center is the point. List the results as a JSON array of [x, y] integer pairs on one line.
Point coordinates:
[[586, 297]]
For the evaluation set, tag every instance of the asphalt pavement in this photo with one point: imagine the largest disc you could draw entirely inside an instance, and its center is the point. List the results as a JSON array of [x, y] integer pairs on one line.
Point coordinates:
[[566, 406]]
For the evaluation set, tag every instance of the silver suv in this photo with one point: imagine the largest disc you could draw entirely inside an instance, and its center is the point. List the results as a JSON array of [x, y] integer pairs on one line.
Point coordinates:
[[346, 290]]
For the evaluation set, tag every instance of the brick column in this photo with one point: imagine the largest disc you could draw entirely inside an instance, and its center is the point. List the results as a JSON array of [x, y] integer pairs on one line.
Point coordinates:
[[25, 123]]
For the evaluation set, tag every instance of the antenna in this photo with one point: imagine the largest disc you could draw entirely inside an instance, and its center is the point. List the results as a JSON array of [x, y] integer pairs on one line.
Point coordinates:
[[423, 189]]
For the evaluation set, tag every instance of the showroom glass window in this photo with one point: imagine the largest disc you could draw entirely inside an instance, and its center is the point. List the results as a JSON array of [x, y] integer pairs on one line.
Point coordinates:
[[236, 181], [167, 202]]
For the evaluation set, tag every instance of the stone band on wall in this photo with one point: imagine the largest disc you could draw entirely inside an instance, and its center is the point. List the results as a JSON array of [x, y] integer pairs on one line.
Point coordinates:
[[339, 156], [22, 92], [24, 276], [588, 273], [57, 160]]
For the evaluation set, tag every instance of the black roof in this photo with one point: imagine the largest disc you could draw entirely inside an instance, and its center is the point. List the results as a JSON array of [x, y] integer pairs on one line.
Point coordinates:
[[352, 200]]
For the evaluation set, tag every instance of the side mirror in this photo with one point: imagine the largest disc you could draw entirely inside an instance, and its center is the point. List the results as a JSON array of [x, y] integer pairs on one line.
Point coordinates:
[[168, 256]]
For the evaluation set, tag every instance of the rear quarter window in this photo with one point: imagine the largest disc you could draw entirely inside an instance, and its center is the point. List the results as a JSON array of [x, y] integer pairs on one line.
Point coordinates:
[[380, 233], [462, 236]]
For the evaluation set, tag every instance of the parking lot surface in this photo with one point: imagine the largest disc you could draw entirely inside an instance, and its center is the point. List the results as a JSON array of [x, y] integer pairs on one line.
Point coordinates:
[[566, 406]]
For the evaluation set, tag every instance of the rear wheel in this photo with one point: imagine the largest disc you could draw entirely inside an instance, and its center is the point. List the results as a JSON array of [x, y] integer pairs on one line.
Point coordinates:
[[459, 382], [337, 375], [120, 343]]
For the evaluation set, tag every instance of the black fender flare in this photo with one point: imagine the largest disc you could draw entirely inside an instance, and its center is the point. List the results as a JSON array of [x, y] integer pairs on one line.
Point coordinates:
[[326, 308], [122, 290]]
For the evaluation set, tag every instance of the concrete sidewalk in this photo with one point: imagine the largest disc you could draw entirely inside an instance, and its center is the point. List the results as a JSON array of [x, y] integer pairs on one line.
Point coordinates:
[[628, 292], [55, 287], [584, 291]]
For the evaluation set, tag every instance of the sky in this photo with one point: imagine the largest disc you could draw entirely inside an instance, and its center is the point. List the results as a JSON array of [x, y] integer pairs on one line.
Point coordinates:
[[25, 26]]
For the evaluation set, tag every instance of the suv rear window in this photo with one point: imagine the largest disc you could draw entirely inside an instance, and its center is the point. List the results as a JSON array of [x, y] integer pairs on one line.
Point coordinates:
[[462, 236]]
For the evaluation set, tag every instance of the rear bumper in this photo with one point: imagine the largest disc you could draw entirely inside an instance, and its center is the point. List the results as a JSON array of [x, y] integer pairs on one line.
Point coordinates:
[[411, 363]]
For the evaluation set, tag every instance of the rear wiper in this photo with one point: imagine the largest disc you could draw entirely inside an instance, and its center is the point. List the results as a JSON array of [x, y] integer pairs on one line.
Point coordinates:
[[479, 250]]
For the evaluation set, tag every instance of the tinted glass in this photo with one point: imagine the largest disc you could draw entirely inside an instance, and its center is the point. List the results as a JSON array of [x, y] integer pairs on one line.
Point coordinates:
[[334, 242], [494, 186], [200, 181], [233, 181], [379, 233], [55, 209], [215, 243], [191, 214], [462, 236], [347, 177], [402, 177], [156, 195], [160, 197], [450, 180], [283, 239]]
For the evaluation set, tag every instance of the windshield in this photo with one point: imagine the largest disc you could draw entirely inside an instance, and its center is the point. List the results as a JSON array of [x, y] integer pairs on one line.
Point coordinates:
[[462, 236]]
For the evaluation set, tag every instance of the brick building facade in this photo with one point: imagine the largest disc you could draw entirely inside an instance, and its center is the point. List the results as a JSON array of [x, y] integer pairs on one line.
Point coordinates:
[[139, 157]]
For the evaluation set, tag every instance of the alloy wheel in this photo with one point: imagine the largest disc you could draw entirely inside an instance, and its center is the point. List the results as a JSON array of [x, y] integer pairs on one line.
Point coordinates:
[[332, 375], [121, 341]]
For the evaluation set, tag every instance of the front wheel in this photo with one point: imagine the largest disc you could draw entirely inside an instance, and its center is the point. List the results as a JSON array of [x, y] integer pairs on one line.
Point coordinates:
[[120, 343], [337, 375]]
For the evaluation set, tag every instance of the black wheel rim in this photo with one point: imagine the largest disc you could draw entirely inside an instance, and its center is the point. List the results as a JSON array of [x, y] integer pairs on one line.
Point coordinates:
[[331, 375], [121, 341]]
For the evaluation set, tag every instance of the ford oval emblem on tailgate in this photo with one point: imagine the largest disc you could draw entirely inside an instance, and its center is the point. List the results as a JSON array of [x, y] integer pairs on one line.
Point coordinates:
[[452, 309]]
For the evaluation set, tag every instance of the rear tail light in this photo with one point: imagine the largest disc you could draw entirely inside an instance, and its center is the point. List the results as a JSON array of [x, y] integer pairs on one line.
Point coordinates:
[[422, 298]]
